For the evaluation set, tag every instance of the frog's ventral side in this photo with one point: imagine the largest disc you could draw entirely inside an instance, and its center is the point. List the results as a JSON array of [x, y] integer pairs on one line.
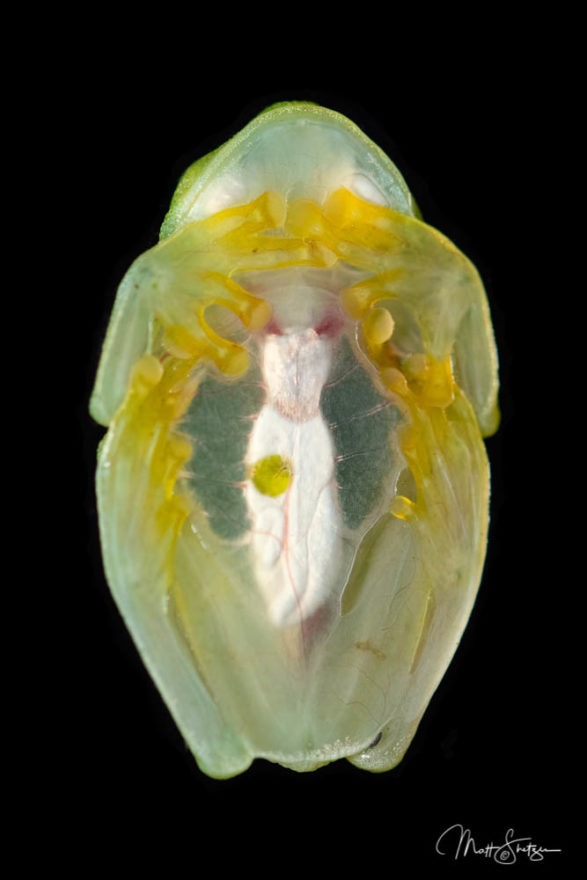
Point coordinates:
[[293, 491]]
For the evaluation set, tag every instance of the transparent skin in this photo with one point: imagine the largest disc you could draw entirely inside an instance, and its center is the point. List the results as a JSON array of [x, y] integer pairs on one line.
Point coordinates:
[[293, 490]]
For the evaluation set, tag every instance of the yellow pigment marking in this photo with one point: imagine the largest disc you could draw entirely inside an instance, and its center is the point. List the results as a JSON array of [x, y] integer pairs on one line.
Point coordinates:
[[358, 299], [425, 625], [359, 222], [402, 508], [267, 211], [159, 393], [146, 373], [272, 475], [252, 311], [395, 380], [431, 380], [270, 233], [378, 326]]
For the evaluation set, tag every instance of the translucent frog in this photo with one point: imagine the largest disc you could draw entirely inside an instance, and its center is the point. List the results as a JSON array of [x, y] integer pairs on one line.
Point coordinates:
[[293, 491]]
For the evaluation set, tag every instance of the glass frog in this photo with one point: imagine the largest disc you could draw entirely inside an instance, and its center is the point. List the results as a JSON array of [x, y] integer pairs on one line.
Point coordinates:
[[293, 491]]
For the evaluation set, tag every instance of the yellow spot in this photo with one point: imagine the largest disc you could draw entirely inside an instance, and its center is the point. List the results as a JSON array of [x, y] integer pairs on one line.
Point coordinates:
[[146, 374], [402, 507], [430, 379], [378, 326], [272, 475], [175, 453]]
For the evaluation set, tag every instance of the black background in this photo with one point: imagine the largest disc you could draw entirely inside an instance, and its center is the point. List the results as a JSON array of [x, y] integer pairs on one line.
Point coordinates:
[[472, 134]]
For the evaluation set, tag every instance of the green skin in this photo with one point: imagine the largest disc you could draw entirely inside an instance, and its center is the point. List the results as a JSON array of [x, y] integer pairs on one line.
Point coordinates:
[[368, 662]]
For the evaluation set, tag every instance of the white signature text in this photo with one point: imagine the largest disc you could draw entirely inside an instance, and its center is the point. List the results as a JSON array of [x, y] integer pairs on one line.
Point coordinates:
[[458, 842]]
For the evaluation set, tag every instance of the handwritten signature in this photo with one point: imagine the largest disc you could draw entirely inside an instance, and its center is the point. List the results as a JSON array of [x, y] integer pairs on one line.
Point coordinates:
[[458, 841]]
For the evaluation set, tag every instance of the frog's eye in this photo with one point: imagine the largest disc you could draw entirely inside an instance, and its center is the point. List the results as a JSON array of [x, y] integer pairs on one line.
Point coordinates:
[[293, 491]]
